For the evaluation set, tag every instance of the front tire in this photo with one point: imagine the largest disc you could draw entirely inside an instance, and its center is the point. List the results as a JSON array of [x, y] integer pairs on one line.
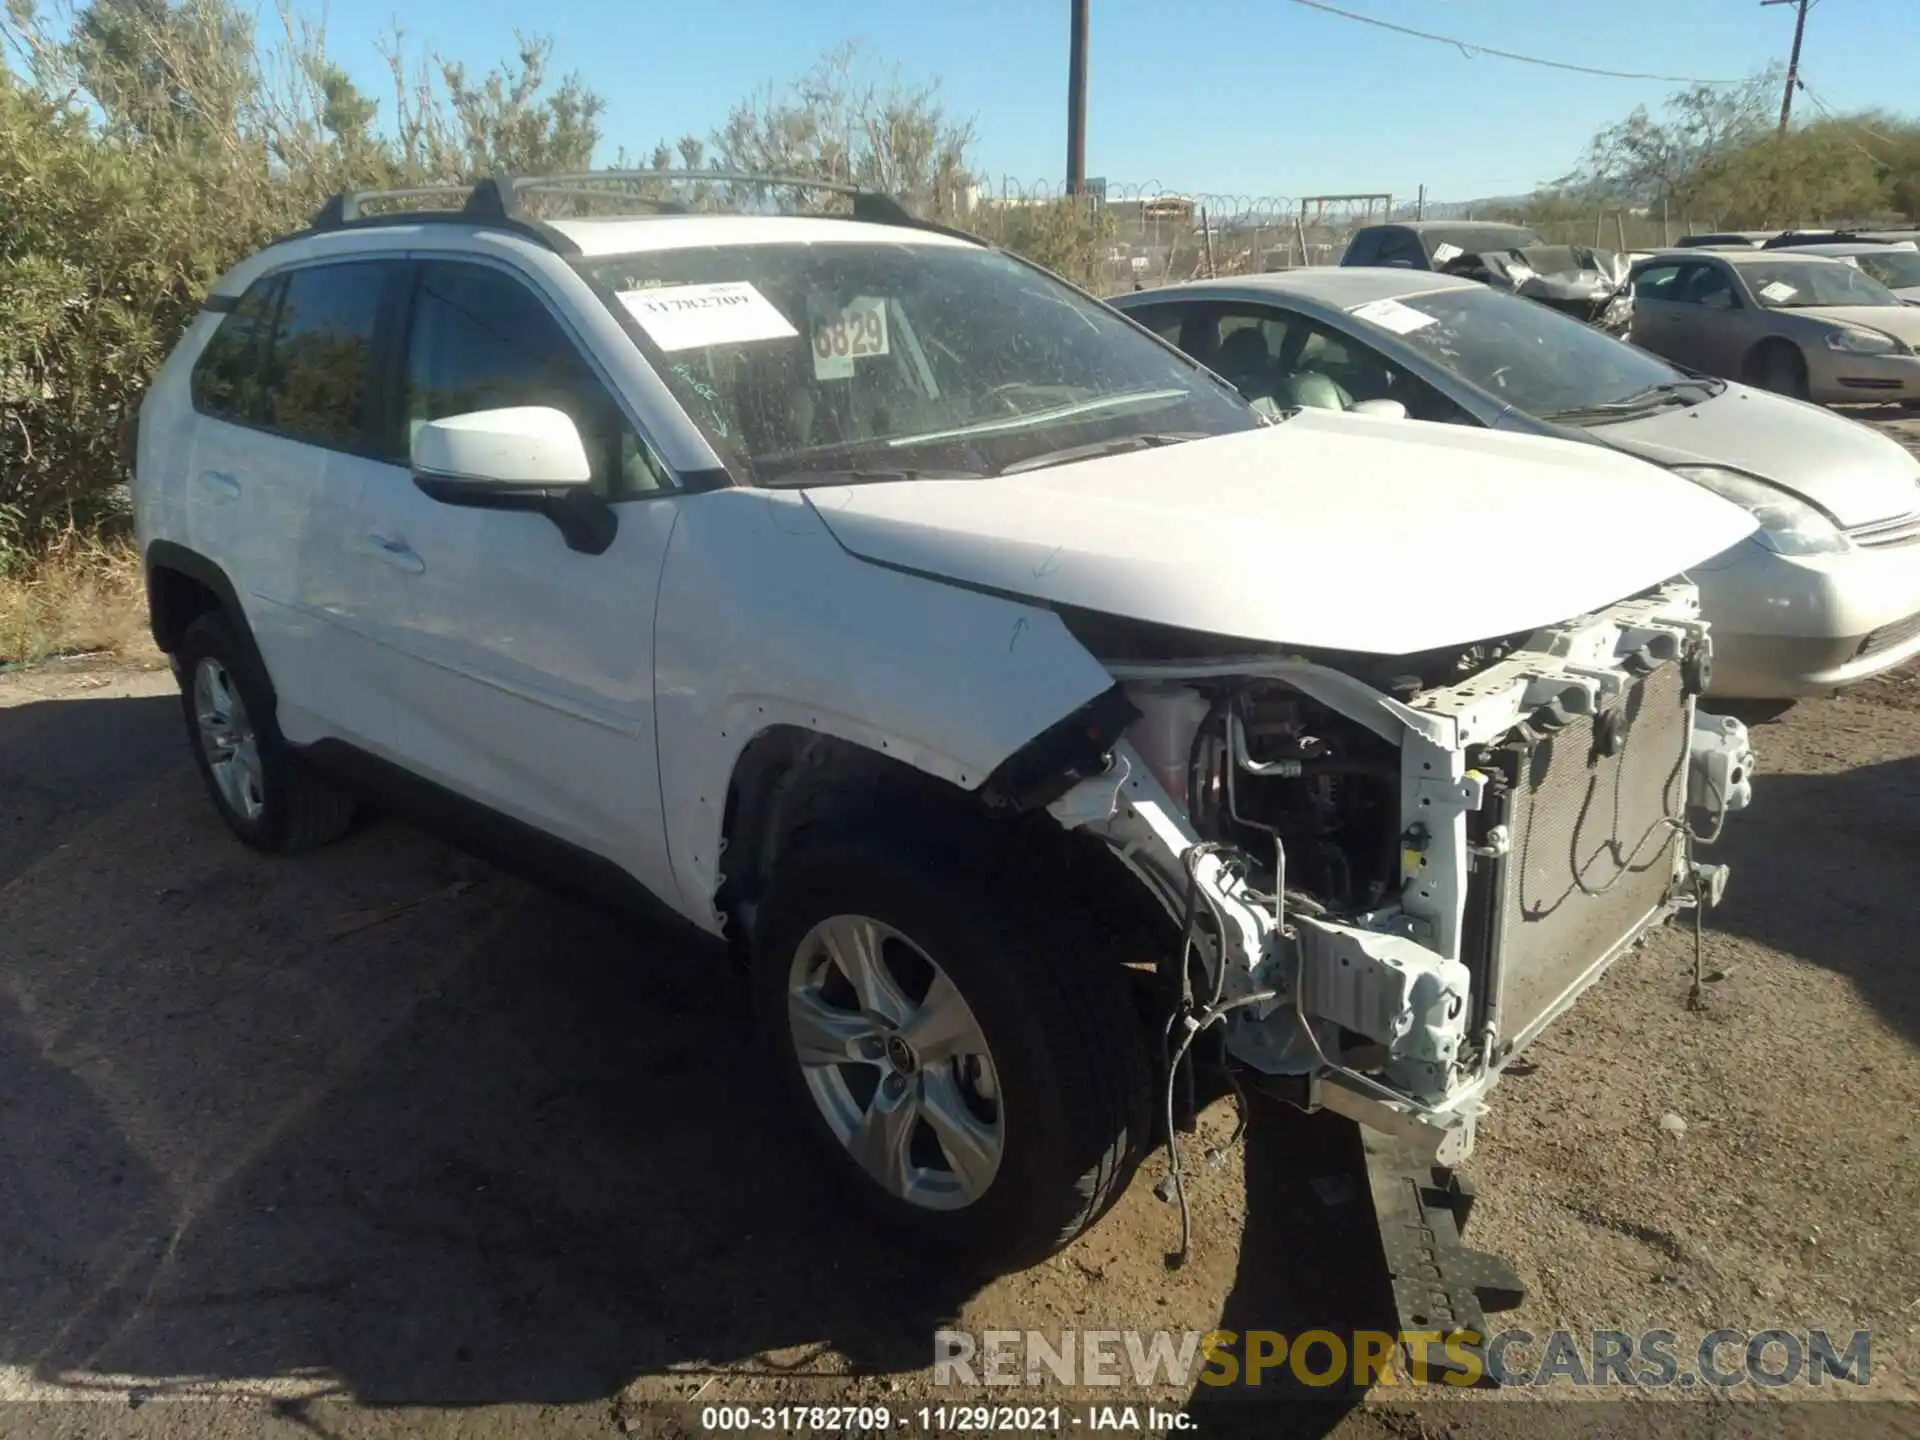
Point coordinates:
[[973, 1078], [265, 792]]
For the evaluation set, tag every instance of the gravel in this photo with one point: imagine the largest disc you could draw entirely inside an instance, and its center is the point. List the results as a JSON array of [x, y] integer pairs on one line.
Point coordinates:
[[383, 1125]]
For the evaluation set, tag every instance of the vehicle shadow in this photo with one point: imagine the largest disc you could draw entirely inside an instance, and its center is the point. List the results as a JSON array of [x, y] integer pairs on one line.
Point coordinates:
[[383, 1120], [64, 762], [1824, 868], [1309, 1260]]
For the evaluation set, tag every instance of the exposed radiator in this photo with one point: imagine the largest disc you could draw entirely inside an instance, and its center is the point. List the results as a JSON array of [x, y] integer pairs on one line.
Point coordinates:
[[1591, 860]]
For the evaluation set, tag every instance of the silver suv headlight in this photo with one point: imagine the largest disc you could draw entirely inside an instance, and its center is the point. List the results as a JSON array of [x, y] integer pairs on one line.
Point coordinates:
[[1788, 524]]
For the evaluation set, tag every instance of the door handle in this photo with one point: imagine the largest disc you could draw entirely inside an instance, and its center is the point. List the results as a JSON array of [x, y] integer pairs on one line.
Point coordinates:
[[397, 553], [223, 484]]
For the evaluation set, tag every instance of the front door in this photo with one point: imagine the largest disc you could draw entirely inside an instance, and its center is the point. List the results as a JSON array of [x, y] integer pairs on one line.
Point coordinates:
[[1717, 322], [523, 670]]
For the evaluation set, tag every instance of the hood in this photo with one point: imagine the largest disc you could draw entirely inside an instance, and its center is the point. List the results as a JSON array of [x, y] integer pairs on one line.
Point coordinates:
[[1854, 473], [1900, 321], [1326, 531]]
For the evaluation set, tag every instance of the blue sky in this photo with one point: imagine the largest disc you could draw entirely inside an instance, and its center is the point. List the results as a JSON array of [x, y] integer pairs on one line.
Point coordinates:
[[1245, 97]]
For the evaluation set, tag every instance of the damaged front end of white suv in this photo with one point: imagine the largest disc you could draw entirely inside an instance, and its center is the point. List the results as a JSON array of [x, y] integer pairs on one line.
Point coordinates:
[[1391, 877], [1400, 810], [1393, 726]]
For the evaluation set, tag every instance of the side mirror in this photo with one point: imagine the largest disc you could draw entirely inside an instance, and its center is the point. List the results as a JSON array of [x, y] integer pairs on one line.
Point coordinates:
[[1385, 409], [526, 458]]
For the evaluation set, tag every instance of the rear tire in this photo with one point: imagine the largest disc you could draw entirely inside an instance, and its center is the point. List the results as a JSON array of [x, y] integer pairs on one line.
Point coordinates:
[[265, 792], [1052, 1070], [1777, 366]]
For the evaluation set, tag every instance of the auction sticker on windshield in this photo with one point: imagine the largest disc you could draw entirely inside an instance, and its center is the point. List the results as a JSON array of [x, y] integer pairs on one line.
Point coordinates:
[[841, 337], [727, 312], [1778, 291], [1444, 252], [1392, 315]]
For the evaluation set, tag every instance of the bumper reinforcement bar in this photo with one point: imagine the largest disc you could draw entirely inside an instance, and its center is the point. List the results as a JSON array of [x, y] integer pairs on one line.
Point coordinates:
[[1440, 1286]]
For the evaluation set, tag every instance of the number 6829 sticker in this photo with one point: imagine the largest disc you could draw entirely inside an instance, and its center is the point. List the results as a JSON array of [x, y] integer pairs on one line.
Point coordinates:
[[844, 336]]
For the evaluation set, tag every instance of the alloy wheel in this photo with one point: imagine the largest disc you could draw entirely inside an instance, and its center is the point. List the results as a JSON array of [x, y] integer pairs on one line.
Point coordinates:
[[896, 1062], [228, 741]]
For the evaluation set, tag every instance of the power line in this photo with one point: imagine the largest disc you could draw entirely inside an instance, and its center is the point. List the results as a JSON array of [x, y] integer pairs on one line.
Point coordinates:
[[1472, 50], [1842, 123]]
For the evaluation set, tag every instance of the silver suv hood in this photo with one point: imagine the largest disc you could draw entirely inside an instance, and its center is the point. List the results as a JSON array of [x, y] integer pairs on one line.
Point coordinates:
[[1327, 531]]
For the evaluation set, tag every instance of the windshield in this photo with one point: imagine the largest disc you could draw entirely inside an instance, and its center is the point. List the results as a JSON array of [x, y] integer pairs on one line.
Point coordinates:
[[1791, 284], [1538, 360], [1896, 269], [848, 360]]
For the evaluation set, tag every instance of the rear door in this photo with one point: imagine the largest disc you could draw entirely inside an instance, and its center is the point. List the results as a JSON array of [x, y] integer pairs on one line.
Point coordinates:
[[294, 416], [227, 437]]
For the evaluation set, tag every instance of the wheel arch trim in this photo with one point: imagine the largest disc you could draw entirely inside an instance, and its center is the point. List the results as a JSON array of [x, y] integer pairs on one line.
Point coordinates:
[[168, 556]]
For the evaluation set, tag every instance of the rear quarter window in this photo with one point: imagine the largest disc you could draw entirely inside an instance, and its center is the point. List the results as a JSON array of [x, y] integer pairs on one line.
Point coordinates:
[[226, 377]]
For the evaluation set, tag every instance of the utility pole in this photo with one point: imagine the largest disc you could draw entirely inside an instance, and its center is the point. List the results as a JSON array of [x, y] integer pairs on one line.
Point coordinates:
[[1077, 101], [1793, 60]]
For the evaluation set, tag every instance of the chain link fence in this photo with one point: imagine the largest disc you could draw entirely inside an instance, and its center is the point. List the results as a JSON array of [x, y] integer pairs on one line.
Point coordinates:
[[1145, 234]]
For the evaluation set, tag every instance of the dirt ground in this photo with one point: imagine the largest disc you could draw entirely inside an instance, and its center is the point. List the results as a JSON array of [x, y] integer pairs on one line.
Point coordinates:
[[357, 1142]]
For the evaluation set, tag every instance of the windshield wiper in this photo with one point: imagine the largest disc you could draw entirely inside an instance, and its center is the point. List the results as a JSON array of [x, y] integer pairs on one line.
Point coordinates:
[[1095, 450], [1641, 402], [800, 478]]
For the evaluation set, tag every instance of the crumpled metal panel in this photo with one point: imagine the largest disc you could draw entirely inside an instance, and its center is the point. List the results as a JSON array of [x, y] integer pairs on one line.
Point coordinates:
[[1589, 284]]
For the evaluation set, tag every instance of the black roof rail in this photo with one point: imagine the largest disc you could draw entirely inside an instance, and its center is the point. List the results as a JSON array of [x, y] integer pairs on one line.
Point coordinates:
[[489, 203], [496, 201], [498, 196], [874, 206], [1821, 237], [349, 205]]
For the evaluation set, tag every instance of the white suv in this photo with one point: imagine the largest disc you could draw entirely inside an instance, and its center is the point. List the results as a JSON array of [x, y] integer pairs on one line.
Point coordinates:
[[1007, 691]]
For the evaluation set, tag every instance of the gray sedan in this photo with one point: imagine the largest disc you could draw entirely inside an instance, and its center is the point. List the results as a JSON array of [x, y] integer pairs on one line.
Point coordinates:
[[1810, 326], [1825, 594]]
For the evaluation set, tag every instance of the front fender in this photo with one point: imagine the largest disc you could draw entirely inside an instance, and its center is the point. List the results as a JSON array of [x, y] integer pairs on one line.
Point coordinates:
[[763, 619]]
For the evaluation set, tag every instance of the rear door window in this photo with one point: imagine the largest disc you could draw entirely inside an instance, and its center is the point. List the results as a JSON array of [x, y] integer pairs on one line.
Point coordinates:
[[319, 362]]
